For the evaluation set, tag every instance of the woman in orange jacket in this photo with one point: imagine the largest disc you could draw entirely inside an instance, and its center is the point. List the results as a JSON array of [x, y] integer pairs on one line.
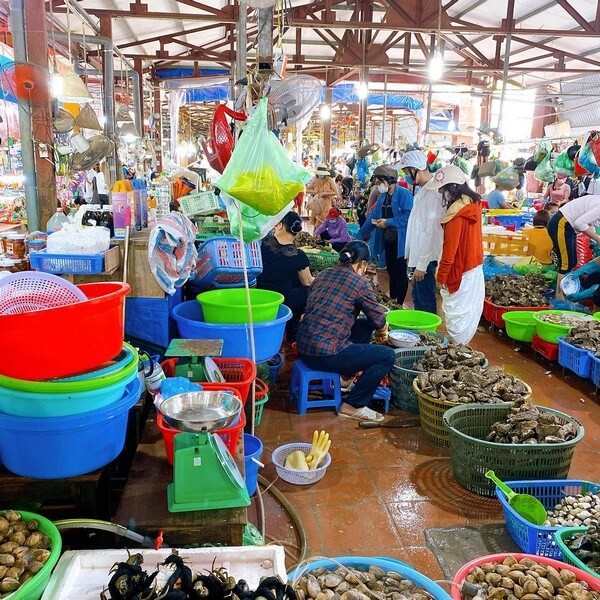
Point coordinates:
[[460, 272]]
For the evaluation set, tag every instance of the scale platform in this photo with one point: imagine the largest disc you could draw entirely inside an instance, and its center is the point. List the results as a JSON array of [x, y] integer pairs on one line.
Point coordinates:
[[185, 348]]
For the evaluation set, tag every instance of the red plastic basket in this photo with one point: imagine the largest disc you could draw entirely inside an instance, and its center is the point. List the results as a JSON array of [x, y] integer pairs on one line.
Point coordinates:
[[546, 349], [239, 374], [459, 578], [584, 250], [493, 312], [230, 435]]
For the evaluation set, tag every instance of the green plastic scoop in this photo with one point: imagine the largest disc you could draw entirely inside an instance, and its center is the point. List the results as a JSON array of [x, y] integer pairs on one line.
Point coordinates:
[[525, 505]]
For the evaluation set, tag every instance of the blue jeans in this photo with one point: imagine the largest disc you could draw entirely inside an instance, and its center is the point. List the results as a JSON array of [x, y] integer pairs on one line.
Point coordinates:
[[374, 361], [424, 292]]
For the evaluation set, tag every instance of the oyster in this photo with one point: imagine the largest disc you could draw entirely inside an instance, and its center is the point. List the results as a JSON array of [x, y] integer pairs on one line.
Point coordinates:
[[513, 290], [449, 358]]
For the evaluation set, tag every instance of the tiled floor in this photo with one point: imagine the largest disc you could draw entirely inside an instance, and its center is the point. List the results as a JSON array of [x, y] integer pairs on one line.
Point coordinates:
[[386, 486]]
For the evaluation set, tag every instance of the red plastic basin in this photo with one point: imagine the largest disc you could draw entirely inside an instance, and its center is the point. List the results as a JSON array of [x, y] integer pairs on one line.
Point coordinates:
[[67, 340]]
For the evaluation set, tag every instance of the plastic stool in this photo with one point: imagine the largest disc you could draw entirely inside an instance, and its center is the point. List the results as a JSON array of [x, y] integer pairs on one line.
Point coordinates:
[[301, 386], [384, 394]]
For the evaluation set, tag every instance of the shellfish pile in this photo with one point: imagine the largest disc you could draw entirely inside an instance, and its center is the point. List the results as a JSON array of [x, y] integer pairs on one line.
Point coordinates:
[[526, 579], [465, 385], [384, 299], [585, 335], [569, 320], [452, 356], [575, 511], [23, 551], [512, 290], [430, 339], [527, 424], [586, 547], [357, 584]]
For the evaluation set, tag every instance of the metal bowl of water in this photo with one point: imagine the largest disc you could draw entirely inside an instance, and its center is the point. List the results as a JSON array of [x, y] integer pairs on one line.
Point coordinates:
[[201, 411]]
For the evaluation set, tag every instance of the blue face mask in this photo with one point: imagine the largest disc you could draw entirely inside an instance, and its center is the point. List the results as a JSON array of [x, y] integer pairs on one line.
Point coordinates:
[[409, 180], [333, 221], [320, 176]]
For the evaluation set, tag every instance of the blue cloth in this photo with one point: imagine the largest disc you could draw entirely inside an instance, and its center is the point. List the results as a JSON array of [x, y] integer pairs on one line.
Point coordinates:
[[374, 361], [495, 198], [402, 203], [424, 292]]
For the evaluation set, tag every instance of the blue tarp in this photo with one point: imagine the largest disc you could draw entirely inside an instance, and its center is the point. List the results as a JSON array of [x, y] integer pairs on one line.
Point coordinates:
[[175, 73], [4, 62]]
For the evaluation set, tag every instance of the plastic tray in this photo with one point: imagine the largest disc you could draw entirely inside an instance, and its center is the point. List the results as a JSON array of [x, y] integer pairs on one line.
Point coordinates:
[[546, 349], [472, 455], [322, 260], [83, 574], [560, 537], [75, 264], [575, 359], [533, 538]]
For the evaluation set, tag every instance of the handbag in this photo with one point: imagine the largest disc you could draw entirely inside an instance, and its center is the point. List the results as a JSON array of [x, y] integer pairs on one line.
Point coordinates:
[[488, 169]]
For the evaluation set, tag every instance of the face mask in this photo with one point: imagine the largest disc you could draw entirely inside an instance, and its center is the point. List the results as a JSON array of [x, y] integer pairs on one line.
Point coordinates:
[[332, 221], [382, 188], [409, 180], [447, 198], [320, 176]]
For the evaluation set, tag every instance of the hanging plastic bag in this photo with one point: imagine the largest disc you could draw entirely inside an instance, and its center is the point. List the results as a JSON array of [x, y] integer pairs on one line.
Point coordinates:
[[544, 172], [563, 165], [463, 165], [255, 225], [542, 149], [586, 159], [487, 169], [579, 170], [594, 144], [260, 173], [507, 179]]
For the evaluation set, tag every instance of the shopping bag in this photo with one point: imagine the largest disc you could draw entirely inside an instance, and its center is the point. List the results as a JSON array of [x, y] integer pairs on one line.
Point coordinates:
[[542, 149], [544, 172], [594, 144], [586, 159], [507, 179], [563, 165], [487, 169], [260, 174]]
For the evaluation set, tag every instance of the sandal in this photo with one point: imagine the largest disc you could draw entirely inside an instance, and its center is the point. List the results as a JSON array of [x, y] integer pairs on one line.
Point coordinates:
[[363, 414]]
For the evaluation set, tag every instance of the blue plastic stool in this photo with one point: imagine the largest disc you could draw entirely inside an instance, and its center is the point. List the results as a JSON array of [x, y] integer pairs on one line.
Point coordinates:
[[384, 394], [301, 386]]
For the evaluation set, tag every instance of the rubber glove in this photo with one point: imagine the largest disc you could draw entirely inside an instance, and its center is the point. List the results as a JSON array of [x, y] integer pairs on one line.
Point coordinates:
[[583, 294], [587, 269], [296, 460], [381, 336], [320, 447]]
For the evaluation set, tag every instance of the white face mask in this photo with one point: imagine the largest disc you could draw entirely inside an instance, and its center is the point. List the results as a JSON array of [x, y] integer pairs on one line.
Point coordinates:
[[382, 188]]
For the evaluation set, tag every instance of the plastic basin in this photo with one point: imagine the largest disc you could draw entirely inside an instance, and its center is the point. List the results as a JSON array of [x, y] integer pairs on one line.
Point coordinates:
[[236, 338], [253, 448], [230, 305], [387, 564], [67, 340], [58, 447], [415, 320], [520, 325], [34, 588], [550, 332], [120, 372]]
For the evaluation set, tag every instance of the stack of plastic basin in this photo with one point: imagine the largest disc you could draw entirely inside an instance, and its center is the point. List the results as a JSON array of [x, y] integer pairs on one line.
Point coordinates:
[[67, 386]]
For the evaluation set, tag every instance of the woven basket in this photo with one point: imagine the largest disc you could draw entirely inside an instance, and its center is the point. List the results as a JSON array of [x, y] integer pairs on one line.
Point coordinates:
[[472, 456], [402, 377]]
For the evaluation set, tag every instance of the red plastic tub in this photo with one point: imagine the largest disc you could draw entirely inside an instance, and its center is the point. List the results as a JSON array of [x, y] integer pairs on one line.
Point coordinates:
[[459, 578], [67, 340], [230, 435], [492, 313]]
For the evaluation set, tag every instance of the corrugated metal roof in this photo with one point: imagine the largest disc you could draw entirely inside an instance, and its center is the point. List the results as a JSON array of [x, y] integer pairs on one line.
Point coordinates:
[[581, 102]]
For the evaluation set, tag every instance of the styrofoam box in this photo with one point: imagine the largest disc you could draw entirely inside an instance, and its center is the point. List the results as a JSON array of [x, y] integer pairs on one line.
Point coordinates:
[[82, 575]]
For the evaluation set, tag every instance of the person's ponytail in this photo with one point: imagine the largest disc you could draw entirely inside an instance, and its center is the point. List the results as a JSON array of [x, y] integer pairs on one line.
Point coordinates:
[[354, 252]]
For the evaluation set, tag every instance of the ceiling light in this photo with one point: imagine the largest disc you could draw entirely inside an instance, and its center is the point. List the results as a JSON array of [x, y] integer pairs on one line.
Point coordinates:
[[325, 112], [362, 90], [436, 66], [129, 133], [72, 89]]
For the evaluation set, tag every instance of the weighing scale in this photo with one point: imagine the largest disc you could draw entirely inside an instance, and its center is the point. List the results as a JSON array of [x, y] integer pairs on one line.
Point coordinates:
[[205, 477], [194, 350]]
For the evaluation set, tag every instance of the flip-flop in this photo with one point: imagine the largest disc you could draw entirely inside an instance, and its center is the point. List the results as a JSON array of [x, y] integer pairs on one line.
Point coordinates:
[[363, 414]]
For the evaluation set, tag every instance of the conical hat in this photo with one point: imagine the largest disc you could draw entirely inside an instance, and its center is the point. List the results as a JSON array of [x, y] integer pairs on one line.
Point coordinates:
[[63, 122], [87, 119]]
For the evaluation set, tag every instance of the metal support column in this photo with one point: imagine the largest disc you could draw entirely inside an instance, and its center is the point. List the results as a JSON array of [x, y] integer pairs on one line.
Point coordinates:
[[362, 106], [384, 119], [327, 127], [265, 41], [504, 81], [139, 69], [241, 44], [158, 125]]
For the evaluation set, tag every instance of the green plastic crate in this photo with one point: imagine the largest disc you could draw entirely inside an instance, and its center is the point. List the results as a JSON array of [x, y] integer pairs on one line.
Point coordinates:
[[560, 537], [320, 261]]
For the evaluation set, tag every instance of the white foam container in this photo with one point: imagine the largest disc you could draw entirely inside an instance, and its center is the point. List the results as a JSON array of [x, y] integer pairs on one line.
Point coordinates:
[[83, 574]]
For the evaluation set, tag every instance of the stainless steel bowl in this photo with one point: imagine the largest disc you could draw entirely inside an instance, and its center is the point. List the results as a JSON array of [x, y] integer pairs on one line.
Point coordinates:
[[201, 411]]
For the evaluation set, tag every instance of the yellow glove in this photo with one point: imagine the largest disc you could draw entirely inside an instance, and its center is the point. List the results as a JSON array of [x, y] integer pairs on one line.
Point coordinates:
[[320, 446], [381, 336], [296, 460]]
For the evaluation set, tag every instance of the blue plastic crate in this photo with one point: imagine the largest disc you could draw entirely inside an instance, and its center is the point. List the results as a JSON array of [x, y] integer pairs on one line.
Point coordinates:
[[220, 262], [61, 264], [595, 372], [509, 221], [353, 229], [535, 539], [575, 359]]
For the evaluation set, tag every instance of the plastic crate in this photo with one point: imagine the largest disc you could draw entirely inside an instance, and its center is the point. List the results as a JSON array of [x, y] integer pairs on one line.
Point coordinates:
[[505, 245], [561, 536], [595, 371], [320, 261], [537, 539], [353, 229], [546, 349], [493, 312], [507, 221], [220, 262], [62, 264], [471, 455], [204, 236], [578, 360], [402, 376], [261, 397], [201, 203]]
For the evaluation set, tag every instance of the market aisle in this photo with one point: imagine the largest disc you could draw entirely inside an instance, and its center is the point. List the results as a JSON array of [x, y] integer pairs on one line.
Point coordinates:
[[386, 486]]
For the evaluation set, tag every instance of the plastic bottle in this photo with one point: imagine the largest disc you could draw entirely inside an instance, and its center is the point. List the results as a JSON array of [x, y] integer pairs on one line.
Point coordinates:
[[163, 198], [56, 221], [106, 219]]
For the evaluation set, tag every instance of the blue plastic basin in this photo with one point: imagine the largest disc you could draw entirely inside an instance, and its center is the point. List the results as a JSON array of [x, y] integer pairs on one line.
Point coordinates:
[[57, 447], [36, 404], [253, 448], [236, 338]]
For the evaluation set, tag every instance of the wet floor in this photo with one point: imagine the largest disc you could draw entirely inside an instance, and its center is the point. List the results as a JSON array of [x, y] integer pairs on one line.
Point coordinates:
[[386, 486]]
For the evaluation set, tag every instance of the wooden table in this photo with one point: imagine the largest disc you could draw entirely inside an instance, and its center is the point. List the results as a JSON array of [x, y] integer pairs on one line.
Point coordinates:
[[144, 501]]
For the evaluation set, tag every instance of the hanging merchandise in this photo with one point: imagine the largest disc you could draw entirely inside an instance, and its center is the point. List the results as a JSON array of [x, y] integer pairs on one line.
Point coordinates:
[[542, 149], [260, 173], [594, 143], [507, 179], [573, 150], [563, 165], [362, 169], [488, 169], [436, 165], [586, 158], [462, 164], [543, 172], [579, 170]]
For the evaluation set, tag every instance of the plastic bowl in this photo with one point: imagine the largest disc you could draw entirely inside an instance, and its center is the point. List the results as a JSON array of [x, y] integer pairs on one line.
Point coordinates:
[[67, 340], [459, 578], [236, 338], [34, 588], [230, 305], [58, 447], [387, 564], [520, 325], [400, 338], [120, 371], [550, 332], [415, 320]]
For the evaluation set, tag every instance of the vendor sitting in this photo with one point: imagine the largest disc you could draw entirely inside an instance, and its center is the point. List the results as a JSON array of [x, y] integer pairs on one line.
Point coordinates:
[[331, 337], [334, 229], [496, 199], [538, 238]]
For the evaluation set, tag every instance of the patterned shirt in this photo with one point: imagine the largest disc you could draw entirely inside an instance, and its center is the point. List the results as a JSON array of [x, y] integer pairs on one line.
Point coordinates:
[[335, 299]]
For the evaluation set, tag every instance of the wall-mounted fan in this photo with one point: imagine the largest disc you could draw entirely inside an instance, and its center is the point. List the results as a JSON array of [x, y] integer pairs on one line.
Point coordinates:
[[63, 122], [99, 148], [26, 82], [294, 99]]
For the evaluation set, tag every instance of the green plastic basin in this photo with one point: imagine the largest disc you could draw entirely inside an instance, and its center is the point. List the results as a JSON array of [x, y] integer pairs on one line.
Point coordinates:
[[550, 332], [34, 588], [230, 306], [520, 325], [413, 319]]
